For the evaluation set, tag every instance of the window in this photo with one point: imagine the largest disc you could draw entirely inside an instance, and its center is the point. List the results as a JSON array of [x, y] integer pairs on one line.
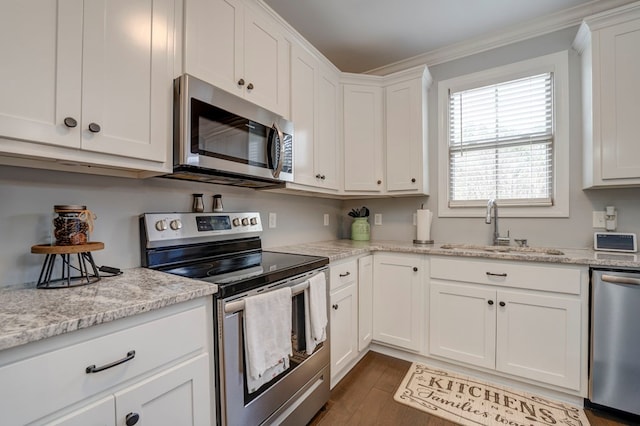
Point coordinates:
[[503, 136]]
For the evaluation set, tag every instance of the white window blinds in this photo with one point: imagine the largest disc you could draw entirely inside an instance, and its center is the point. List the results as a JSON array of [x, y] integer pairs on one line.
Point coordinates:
[[501, 143]]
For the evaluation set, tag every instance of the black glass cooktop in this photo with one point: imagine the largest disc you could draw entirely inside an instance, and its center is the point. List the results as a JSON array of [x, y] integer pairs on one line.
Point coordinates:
[[243, 272]]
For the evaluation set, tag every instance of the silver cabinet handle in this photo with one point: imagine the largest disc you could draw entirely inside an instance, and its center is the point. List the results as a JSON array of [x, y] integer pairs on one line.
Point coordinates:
[[620, 280], [493, 274]]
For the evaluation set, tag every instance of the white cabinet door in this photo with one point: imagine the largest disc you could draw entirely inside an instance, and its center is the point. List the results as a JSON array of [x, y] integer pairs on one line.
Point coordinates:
[[363, 170], [40, 76], [344, 323], [462, 323], [126, 85], [265, 64], [619, 68], [327, 148], [365, 302], [304, 70], [214, 42], [178, 396], [230, 46], [405, 136], [398, 294], [538, 337], [93, 75], [99, 413]]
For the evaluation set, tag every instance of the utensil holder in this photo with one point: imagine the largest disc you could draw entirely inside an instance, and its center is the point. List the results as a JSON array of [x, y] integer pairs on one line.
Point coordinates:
[[360, 229]]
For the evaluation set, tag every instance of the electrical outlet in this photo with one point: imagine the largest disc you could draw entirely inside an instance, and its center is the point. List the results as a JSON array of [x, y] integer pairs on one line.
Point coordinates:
[[598, 219], [272, 220], [377, 219], [326, 219], [415, 219]]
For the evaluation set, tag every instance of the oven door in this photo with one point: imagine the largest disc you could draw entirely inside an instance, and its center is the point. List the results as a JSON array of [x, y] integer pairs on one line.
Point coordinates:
[[219, 131], [297, 393]]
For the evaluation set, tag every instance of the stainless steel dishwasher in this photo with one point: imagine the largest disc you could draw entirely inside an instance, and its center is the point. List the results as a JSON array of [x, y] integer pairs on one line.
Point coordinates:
[[615, 340]]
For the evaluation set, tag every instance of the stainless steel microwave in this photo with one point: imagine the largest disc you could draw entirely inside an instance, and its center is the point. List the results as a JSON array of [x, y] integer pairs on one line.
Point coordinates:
[[223, 139]]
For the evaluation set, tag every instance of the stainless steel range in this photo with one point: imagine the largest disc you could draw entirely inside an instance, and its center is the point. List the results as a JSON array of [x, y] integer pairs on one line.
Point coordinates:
[[225, 249]]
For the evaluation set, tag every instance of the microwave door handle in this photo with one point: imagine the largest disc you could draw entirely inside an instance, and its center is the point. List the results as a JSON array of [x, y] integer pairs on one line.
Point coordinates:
[[280, 136]]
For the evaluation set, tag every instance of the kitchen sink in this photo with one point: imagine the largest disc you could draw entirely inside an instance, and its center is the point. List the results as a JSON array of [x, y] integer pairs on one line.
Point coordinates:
[[503, 249]]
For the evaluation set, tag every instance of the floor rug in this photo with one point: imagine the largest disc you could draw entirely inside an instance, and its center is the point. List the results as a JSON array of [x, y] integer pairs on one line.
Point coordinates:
[[471, 402]]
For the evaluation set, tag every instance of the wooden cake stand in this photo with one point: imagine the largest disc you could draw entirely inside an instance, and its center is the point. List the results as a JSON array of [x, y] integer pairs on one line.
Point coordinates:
[[84, 261]]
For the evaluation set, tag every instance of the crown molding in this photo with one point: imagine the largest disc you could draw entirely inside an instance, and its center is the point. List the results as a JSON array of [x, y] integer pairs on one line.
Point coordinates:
[[534, 28]]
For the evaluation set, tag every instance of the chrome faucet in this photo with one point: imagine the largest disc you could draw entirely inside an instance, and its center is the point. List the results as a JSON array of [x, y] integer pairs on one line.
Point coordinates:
[[497, 239]]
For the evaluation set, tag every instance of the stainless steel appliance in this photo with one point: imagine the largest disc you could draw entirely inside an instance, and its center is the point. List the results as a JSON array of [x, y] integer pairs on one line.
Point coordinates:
[[223, 139], [225, 249], [614, 380]]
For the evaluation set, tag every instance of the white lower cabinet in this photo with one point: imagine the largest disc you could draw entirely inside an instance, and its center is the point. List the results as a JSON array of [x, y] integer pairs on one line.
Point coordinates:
[[509, 324], [365, 302], [398, 300], [343, 317], [164, 378]]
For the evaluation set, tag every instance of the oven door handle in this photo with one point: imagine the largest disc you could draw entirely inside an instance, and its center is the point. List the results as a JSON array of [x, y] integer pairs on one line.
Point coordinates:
[[238, 305]]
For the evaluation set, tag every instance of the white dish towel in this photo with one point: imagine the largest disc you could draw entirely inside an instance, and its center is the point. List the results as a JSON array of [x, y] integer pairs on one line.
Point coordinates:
[[315, 304], [267, 336]]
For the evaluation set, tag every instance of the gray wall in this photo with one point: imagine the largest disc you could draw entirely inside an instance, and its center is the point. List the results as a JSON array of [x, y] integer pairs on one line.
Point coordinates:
[[27, 197], [575, 231]]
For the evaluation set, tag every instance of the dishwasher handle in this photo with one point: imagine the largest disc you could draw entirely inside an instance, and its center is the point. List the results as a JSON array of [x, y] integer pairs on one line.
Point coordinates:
[[620, 280]]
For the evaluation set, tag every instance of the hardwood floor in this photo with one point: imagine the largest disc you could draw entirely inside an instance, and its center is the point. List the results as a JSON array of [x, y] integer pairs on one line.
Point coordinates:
[[365, 397]]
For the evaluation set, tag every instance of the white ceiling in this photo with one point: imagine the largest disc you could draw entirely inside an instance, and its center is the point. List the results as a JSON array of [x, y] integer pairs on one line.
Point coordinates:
[[361, 35]]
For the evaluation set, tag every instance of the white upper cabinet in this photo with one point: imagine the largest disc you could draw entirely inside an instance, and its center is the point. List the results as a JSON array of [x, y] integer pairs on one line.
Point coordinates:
[[608, 43], [385, 133], [314, 112], [233, 47], [92, 76], [363, 137], [406, 132]]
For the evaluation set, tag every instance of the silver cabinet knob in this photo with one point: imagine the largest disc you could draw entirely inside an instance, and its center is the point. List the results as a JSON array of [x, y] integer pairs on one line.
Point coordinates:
[[94, 127]]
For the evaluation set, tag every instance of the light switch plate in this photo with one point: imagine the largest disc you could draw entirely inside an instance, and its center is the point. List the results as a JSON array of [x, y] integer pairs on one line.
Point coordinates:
[[598, 219]]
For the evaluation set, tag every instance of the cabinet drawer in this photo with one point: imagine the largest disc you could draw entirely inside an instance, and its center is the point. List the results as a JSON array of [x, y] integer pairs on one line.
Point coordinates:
[[344, 273], [43, 384], [553, 278]]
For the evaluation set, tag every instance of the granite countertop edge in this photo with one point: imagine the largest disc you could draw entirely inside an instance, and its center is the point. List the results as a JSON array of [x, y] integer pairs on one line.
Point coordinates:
[[28, 314], [337, 250]]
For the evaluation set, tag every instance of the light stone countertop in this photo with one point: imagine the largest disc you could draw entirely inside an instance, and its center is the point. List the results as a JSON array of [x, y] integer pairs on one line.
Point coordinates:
[[341, 249], [28, 314]]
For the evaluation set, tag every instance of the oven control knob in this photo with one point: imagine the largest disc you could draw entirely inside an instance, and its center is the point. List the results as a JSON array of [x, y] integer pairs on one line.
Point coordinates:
[[254, 221], [236, 221], [161, 225], [245, 221], [175, 224]]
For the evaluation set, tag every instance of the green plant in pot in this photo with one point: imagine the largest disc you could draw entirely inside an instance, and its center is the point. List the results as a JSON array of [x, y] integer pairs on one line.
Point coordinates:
[[360, 228]]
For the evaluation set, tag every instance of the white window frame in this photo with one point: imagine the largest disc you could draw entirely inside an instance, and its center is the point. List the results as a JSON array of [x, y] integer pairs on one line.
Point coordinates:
[[558, 64]]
